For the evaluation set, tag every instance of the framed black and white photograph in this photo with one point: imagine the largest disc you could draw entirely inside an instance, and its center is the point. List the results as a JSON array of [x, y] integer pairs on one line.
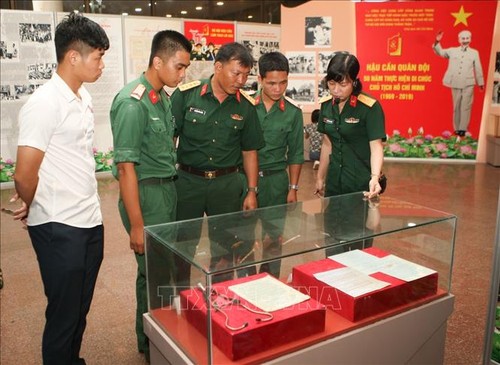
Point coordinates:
[[251, 86], [257, 49], [302, 62], [41, 71], [34, 32], [301, 90], [318, 31], [9, 51], [25, 90], [323, 60], [322, 89]]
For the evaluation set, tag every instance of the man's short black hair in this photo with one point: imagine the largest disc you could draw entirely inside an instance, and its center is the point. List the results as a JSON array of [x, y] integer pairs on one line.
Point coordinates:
[[166, 43], [273, 61], [79, 33], [234, 51]]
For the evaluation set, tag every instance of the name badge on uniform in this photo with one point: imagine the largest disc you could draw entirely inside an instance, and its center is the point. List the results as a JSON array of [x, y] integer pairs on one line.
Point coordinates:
[[236, 117], [197, 111], [351, 120], [328, 121]]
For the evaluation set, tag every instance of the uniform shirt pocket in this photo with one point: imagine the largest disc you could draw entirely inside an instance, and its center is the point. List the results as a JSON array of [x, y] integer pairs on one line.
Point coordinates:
[[158, 134]]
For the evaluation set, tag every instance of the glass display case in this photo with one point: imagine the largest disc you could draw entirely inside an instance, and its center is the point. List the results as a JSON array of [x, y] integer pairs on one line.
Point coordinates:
[[255, 286]]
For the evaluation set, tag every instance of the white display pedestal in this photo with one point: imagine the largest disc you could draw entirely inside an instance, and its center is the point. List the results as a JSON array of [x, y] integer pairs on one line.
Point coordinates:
[[416, 336]]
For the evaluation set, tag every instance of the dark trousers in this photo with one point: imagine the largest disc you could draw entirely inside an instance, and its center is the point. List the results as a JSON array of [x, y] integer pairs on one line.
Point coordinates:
[[69, 259], [199, 196]]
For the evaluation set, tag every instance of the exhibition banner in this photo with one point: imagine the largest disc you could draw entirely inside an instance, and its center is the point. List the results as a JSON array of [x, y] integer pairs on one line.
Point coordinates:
[[207, 37], [404, 67]]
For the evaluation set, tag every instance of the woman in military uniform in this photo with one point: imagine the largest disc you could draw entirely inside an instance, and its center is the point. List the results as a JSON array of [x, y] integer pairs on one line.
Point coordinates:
[[351, 156]]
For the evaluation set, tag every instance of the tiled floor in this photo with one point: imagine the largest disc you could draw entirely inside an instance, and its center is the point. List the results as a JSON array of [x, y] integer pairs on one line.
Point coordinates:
[[468, 190]]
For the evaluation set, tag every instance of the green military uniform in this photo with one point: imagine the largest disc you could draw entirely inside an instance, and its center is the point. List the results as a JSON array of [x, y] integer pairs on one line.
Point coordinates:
[[212, 136], [283, 129], [143, 132], [361, 121]]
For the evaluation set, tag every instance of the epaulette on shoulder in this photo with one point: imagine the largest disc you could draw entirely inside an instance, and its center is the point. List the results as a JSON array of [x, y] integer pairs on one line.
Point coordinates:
[[138, 92], [248, 97], [325, 98], [189, 85], [293, 102], [367, 100]]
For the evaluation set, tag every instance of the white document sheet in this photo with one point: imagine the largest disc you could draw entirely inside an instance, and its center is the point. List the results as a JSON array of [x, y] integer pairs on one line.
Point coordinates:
[[403, 269], [358, 260], [350, 281], [269, 294]]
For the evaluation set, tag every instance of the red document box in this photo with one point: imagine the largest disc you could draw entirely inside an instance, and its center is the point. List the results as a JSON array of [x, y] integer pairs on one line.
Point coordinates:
[[398, 293], [288, 324]]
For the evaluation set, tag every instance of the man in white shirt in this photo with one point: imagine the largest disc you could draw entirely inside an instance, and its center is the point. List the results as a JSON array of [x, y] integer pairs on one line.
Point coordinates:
[[464, 71], [55, 177]]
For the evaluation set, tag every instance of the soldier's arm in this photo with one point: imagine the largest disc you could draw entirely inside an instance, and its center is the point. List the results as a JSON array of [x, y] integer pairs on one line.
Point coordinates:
[[129, 192], [251, 167]]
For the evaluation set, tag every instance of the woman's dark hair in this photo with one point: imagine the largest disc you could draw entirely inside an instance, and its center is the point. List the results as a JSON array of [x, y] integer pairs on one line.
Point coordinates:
[[79, 33], [344, 66]]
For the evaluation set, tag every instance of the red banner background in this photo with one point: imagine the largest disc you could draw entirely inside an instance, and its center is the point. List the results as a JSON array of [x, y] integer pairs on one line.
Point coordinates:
[[399, 67], [218, 33]]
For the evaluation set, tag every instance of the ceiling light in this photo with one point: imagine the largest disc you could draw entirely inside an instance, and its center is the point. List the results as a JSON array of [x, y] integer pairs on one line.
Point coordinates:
[[199, 8], [168, 15], [250, 16], [220, 3], [125, 14], [138, 10], [184, 12]]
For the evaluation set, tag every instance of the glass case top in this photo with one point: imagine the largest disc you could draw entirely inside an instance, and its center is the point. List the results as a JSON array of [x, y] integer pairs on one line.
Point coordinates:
[[300, 227]]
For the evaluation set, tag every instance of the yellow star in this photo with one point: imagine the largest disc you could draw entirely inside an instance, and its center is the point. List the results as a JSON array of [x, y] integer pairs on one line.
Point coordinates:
[[461, 16]]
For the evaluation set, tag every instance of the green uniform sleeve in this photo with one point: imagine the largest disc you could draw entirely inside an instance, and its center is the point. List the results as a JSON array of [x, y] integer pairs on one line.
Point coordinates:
[[296, 140], [375, 123], [127, 124]]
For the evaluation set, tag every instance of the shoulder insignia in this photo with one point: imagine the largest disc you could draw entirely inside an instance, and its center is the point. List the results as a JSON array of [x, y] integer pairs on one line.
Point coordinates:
[[325, 98], [293, 102], [367, 100], [248, 97], [138, 92], [189, 85]]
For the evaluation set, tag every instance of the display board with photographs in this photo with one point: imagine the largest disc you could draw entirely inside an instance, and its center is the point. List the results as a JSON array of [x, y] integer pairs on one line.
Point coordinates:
[[27, 61]]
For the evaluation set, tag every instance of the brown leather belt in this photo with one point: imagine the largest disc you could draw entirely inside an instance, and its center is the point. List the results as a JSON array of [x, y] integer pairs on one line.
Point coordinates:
[[157, 180], [210, 174]]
